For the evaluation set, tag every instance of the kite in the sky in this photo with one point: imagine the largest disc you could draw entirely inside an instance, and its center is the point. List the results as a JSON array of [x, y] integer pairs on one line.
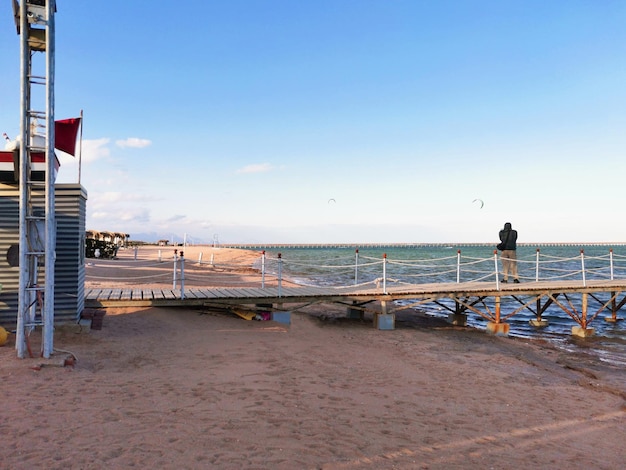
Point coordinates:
[[331, 200], [479, 201]]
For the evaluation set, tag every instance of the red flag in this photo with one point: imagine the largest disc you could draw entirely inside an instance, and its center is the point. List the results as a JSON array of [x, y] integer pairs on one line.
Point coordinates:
[[65, 132]]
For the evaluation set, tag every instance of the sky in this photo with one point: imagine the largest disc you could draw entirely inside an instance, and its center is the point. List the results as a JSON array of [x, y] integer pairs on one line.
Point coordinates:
[[341, 121]]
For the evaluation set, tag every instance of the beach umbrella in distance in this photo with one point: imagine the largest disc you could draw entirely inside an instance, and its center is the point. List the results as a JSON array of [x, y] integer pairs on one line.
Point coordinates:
[[479, 201]]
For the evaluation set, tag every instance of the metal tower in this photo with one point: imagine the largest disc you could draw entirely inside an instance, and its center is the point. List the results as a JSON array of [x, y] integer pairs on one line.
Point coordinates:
[[34, 20]]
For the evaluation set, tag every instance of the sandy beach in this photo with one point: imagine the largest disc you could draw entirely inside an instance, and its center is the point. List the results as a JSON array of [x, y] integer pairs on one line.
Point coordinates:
[[180, 388]]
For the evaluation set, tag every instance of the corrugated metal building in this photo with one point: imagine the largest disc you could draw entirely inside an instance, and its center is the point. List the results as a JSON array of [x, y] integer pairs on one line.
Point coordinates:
[[69, 273]]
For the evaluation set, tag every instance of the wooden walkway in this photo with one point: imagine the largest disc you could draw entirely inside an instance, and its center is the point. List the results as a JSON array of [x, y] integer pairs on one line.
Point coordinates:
[[472, 296], [126, 297]]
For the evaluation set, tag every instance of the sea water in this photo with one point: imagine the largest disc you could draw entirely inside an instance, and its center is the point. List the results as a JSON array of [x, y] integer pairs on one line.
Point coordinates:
[[394, 265]]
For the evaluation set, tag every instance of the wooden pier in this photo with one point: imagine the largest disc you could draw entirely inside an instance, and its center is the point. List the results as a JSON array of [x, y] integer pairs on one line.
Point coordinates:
[[481, 298]]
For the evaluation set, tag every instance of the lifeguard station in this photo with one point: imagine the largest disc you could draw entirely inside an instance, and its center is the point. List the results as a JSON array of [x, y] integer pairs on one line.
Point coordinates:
[[41, 224]]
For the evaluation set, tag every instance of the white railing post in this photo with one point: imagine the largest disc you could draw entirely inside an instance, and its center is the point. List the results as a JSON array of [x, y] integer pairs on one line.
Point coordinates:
[[356, 267], [175, 262], [263, 270], [135, 255], [160, 258], [611, 261], [200, 259], [582, 264], [495, 261], [458, 266], [537, 265], [280, 274], [182, 275], [384, 273], [212, 259]]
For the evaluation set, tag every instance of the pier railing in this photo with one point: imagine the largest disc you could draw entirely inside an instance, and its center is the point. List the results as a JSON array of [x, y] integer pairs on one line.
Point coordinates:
[[355, 270], [341, 275]]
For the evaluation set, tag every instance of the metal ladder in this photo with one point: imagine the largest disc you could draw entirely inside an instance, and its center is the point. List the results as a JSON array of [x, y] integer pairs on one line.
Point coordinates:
[[35, 23]]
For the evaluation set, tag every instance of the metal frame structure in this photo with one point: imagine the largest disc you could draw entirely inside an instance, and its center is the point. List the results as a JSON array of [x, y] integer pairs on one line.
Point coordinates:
[[37, 240]]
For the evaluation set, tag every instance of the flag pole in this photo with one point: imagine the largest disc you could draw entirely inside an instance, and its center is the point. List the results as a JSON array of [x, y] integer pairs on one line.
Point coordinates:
[[80, 146]]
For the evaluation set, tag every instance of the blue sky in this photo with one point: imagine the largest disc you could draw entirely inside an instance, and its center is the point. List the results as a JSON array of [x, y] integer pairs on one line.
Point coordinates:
[[241, 120]]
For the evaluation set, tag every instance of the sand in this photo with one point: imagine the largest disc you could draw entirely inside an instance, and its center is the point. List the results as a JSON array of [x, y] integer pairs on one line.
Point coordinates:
[[180, 388]]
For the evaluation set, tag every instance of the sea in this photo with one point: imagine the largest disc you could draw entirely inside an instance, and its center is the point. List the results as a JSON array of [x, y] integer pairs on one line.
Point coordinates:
[[394, 265]]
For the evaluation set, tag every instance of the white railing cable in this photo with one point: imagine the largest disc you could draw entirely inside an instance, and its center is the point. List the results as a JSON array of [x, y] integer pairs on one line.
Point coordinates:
[[163, 276], [359, 270]]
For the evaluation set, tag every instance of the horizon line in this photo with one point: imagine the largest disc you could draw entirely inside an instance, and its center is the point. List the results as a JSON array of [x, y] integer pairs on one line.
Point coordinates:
[[392, 244]]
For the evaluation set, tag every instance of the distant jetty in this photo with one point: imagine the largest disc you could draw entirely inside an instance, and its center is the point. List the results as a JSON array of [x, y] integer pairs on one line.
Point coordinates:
[[274, 246]]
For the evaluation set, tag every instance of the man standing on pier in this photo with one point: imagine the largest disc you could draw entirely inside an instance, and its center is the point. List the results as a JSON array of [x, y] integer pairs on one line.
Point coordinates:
[[508, 246]]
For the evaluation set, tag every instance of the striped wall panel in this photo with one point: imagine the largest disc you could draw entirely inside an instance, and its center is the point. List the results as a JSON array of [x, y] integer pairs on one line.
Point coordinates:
[[69, 272], [70, 210]]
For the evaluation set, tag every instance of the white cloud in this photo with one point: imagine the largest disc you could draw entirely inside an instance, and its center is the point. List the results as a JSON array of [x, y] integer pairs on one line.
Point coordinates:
[[255, 168], [138, 216], [99, 215], [90, 151], [133, 142], [119, 196], [95, 149], [109, 197], [120, 219]]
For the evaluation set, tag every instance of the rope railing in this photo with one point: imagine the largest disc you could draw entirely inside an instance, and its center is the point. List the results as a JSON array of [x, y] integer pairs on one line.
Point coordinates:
[[425, 263], [127, 264], [135, 277], [360, 271], [230, 279]]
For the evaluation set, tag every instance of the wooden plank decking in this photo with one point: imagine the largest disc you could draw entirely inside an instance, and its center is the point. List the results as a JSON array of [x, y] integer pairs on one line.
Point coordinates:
[[106, 297]]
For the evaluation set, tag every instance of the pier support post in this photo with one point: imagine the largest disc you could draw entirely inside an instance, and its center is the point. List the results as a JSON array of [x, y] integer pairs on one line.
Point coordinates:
[[582, 332], [355, 313], [495, 327], [384, 320], [500, 329], [614, 308], [457, 319], [538, 322], [281, 317]]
